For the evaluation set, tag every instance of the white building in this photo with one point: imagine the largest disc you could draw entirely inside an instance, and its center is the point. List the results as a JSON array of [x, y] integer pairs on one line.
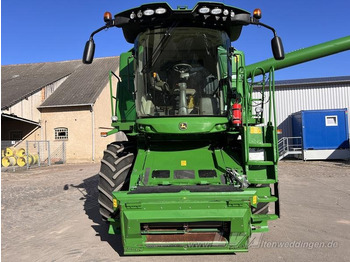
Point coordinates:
[[310, 94]]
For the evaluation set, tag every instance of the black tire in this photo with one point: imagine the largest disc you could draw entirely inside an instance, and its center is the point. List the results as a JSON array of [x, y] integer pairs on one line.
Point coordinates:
[[114, 175], [262, 208]]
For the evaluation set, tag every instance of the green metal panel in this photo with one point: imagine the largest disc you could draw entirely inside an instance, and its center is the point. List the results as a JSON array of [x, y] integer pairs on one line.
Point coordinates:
[[180, 156], [184, 207], [182, 125], [125, 103]]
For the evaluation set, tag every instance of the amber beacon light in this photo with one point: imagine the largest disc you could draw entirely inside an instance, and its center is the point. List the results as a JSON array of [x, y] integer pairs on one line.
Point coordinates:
[[107, 17], [257, 13]]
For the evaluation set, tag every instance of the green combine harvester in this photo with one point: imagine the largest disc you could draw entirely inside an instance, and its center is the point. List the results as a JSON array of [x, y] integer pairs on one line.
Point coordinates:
[[199, 169]]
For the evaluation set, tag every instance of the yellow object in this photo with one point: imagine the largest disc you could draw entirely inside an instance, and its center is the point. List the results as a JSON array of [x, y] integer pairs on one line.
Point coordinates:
[[191, 103], [20, 152], [10, 151], [30, 159], [21, 161], [183, 163], [35, 159], [3, 153], [115, 203], [8, 161], [255, 199], [255, 130]]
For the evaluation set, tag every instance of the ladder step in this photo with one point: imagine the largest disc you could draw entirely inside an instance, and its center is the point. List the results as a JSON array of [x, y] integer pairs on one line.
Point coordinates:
[[260, 163], [268, 199], [262, 181], [259, 145], [258, 217]]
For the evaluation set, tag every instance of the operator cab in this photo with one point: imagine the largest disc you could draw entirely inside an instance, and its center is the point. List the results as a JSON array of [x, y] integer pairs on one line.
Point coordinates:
[[182, 59], [177, 72]]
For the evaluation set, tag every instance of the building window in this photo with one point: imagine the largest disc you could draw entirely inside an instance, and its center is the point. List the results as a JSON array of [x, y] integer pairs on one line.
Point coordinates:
[[331, 120], [61, 133]]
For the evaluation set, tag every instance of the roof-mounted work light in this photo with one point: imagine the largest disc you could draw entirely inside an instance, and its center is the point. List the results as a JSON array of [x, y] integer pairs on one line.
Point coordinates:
[[204, 10], [148, 12], [216, 11], [160, 11]]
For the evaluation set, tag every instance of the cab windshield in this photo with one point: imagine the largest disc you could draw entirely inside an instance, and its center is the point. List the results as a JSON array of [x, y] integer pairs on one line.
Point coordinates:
[[177, 72]]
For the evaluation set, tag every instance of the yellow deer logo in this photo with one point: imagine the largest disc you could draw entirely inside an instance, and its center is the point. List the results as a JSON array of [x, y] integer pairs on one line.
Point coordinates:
[[183, 126]]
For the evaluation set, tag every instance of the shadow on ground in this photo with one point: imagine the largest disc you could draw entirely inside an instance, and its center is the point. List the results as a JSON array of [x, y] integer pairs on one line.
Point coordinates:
[[89, 193], [344, 163]]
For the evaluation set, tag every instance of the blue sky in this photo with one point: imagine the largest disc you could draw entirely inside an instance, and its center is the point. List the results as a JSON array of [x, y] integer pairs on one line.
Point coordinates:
[[50, 30]]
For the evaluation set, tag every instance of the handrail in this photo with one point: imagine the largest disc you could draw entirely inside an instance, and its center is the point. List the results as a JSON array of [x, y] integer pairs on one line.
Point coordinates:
[[273, 101], [111, 74], [246, 113], [288, 146], [248, 105]]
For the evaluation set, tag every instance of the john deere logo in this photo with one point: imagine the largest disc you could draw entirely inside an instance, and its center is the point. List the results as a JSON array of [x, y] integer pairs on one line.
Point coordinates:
[[183, 126]]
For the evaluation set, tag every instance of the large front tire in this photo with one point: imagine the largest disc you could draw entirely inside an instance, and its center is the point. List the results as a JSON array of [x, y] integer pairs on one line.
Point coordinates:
[[114, 174]]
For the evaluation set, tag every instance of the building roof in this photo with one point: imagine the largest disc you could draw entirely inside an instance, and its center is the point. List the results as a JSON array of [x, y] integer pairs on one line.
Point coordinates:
[[83, 86], [23, 80], [313, 81], [11, 116]]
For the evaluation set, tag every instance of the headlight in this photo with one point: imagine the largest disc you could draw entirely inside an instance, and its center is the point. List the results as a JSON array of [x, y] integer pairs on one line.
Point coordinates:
[[139, 14], [132, 15]]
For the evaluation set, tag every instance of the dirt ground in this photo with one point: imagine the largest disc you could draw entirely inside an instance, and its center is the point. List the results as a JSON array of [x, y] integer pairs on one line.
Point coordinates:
[[51, 214]]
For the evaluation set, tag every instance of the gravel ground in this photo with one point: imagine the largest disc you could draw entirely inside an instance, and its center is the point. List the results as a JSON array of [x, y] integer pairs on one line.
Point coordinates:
[[51, 214]]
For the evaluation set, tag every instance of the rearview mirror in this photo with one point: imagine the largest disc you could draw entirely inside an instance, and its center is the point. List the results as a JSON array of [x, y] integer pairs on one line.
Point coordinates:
[[89, 51], [277, 48]]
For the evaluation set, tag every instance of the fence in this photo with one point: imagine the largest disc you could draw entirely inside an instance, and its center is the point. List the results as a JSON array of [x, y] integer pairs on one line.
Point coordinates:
[[32, 153]]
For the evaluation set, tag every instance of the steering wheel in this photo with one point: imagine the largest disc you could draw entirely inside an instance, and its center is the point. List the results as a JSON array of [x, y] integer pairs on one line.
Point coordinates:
[[182, 68]]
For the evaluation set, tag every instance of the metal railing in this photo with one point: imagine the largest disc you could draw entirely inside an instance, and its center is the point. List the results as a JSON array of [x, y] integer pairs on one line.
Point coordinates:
[[289, 146]]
